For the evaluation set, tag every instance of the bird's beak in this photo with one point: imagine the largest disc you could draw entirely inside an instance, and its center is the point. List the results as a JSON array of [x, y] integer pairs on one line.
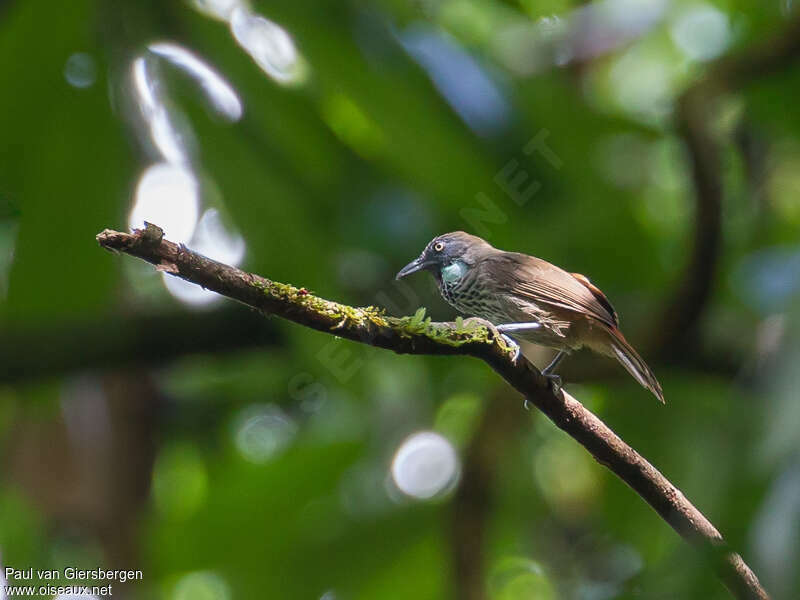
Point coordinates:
[[413, 267]]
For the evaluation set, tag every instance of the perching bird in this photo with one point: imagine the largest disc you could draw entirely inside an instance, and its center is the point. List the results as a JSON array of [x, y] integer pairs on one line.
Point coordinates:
[[529, 299]]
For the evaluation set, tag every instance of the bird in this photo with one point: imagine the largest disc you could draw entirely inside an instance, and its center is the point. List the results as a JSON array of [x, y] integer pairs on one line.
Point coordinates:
[[527, 298]]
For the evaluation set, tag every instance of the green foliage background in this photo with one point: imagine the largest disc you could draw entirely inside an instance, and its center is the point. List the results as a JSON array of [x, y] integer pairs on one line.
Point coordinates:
[[335, 183]]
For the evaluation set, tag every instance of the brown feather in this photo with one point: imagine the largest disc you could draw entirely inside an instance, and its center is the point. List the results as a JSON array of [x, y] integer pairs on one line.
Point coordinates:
[[633, 363], [601, 297], [544, 283]]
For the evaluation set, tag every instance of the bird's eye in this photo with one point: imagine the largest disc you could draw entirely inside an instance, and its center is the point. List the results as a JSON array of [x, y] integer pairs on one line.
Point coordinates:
[[439, 246]]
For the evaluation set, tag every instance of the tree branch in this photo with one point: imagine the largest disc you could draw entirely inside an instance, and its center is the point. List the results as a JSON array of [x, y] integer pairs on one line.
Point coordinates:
[[409, 336], [678, 324]]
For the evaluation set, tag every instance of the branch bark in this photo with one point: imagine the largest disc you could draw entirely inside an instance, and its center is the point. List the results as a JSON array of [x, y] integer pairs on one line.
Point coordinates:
[[407, 335]]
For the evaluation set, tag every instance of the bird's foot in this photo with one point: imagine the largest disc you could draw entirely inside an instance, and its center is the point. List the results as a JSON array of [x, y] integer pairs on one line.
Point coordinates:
[[555, 381], [511, 343], [555, 385], [479, 322], [507, 328]]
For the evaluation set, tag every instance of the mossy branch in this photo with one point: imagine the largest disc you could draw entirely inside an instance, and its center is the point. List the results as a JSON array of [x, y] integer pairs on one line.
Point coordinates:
[[418, 335]]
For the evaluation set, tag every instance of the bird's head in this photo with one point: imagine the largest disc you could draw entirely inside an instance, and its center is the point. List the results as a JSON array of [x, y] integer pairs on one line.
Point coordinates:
[[445, 250]]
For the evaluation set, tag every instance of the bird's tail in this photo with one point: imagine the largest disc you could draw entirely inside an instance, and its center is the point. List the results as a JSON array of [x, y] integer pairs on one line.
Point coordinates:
[[633, 363]]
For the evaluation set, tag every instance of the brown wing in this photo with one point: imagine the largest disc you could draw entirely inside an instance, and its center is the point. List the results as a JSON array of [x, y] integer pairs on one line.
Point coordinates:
[[599, 296], [544, 283]]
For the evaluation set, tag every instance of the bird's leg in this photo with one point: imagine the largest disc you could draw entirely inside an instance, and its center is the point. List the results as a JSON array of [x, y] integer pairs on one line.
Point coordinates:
[[506, 328], [555, 380], [498, 332], [512, 327], [554, 363]]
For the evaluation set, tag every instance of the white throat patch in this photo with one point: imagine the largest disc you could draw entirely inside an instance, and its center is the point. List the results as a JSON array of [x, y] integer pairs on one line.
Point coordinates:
[[453, 272]]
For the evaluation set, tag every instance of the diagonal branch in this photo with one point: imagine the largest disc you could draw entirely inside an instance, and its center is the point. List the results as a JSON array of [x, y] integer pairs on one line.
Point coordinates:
[[408, 336]]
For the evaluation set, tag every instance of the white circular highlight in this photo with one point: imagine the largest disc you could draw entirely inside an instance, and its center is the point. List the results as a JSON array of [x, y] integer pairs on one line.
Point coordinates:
[[80, 70], [262, 432], [202, 585], [167, 195], [702, 32], [425, 465]]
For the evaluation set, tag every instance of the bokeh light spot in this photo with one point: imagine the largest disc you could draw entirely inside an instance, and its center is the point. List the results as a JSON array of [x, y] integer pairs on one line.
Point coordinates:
[[269, 45], [643, 81], [519, 578], [218, 9], [202, 585], [80, 70], [702, 32], [212, 238], [168, 140], [462, 80], [167, 195], [425, 465], [219, 92], [263, 431]]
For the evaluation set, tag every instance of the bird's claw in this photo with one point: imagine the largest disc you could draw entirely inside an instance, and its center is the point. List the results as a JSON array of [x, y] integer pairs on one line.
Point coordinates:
[[511, 343], [555, 384], [555, 381]]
